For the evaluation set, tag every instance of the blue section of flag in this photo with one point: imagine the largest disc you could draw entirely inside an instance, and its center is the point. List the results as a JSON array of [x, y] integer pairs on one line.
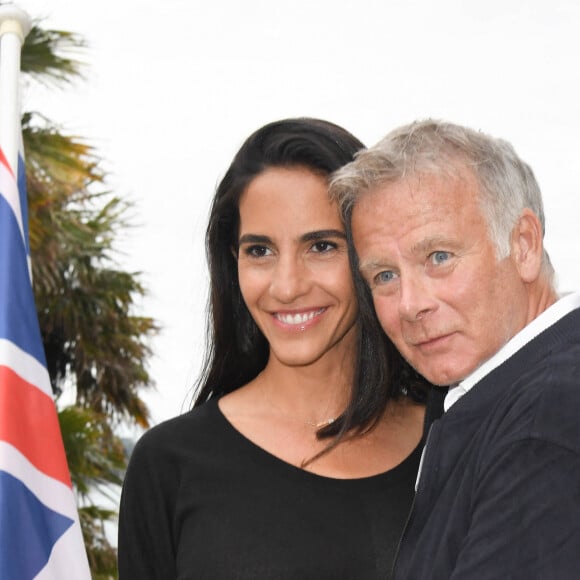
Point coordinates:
[[18, 320], [32, 530]]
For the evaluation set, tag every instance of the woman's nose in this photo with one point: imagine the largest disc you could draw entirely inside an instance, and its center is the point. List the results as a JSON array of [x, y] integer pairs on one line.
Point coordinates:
[[289, 280]]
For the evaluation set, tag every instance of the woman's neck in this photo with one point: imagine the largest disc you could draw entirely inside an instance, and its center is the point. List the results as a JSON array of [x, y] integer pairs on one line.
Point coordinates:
[[313, 394]]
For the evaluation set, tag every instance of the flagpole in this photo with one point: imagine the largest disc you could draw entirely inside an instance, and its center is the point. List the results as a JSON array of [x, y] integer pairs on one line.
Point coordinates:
[[15, 24], [39, 521]]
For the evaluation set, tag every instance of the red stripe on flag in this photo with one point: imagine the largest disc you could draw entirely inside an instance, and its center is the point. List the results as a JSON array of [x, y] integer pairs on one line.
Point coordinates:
[[29, 422], [4, 162]]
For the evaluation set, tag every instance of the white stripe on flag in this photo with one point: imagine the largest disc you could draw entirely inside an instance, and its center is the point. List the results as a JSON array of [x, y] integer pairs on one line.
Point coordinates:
[[51, 492], [25, 366], [67, 559], [9, 190]]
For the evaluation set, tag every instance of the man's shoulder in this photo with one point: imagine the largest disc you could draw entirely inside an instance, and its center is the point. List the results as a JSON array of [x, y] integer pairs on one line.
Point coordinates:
[[542, 399], [558, 402], [550, 360], [550, 364], [535, 394]]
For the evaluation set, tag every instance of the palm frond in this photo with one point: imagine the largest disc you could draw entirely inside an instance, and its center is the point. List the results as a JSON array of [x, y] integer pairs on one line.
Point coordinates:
[[43, 60]]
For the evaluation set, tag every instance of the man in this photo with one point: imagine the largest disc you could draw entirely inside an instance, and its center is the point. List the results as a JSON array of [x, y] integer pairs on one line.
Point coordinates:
[[447, 224]]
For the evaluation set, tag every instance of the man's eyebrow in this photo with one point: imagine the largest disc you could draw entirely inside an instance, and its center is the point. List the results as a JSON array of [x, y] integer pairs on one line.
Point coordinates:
[[322, 235], [433, 243], [373, 265], [254, 239]]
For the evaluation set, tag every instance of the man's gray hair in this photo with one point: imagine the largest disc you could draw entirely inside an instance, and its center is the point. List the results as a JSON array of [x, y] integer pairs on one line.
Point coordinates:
[[506, 184]]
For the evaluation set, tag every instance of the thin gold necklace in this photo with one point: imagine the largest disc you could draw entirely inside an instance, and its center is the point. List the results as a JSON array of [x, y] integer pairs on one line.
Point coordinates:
[[324, 423], [315, 424]]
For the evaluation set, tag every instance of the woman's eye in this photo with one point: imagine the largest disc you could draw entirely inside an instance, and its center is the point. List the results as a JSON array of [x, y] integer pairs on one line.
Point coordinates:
[[439, 257], [323, 246], [257, 251]]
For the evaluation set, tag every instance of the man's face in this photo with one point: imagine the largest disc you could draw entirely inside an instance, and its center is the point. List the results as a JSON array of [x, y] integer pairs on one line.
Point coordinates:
[[439, 291]]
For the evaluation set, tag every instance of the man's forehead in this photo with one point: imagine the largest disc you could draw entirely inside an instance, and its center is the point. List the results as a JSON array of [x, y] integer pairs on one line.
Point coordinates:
[[413, 218]]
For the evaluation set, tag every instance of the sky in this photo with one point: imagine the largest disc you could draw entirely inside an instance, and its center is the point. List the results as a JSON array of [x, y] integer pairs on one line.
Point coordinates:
[[173, 88]]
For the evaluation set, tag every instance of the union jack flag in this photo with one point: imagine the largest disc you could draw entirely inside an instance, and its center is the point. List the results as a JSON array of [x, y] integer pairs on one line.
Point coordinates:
[[40, 535]]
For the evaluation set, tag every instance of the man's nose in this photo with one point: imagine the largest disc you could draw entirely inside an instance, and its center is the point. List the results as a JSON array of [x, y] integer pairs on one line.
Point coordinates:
[[416, 298]]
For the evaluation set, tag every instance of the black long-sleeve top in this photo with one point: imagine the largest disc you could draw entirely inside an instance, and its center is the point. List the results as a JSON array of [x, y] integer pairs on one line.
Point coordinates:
[[200, 501]]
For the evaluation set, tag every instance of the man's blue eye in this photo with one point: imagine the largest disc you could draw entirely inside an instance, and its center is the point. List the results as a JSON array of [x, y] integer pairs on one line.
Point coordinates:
[[383, 277], [439, 257]]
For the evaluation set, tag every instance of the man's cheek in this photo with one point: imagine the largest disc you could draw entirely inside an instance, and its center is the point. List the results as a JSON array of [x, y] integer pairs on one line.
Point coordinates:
[[388, 317]]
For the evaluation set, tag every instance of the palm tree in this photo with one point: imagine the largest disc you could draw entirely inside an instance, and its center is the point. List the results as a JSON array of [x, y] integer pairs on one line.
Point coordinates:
[[85, 302], [96, 346], [96, 461], [91, 338]]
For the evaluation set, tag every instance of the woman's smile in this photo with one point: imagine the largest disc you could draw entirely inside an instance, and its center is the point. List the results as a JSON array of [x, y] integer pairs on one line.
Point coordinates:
[[299, 318]]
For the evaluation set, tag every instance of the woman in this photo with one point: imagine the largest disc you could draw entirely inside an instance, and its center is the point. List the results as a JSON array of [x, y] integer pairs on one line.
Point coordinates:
[[299, 460]]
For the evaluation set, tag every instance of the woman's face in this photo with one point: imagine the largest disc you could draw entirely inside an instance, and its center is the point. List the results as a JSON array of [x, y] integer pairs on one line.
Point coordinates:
[[293, 267]]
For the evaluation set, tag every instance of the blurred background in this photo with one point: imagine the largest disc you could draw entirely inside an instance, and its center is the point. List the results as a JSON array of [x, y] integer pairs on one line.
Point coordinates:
[[172, 88], [168, 93]]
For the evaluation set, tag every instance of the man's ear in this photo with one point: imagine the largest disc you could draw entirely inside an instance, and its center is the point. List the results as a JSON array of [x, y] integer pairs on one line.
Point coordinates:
[[527, 246]]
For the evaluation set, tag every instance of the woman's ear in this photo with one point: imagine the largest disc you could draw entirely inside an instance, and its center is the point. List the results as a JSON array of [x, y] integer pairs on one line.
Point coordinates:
[[527, 246]]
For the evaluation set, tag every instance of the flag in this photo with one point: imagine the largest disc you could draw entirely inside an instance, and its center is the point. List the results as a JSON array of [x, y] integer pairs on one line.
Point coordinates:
[[40, 535], [39, 528]]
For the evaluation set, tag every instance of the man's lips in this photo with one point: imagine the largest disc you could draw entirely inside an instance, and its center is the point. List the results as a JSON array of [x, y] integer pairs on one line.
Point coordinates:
[[431, 342]]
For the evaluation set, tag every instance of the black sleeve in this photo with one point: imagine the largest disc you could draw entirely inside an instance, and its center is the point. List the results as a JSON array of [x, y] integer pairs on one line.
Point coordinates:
[[146, 537], [525, 516]]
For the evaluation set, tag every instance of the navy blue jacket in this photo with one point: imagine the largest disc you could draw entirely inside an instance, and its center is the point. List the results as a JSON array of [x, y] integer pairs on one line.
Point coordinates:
[[499, 492]]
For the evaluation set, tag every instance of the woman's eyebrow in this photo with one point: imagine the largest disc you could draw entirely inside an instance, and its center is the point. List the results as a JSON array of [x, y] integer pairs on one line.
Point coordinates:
[[321, 235], [307, 237], [254, 239]]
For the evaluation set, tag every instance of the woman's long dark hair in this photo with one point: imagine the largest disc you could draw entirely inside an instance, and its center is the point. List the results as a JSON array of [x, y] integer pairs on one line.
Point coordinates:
[[237, 351]]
